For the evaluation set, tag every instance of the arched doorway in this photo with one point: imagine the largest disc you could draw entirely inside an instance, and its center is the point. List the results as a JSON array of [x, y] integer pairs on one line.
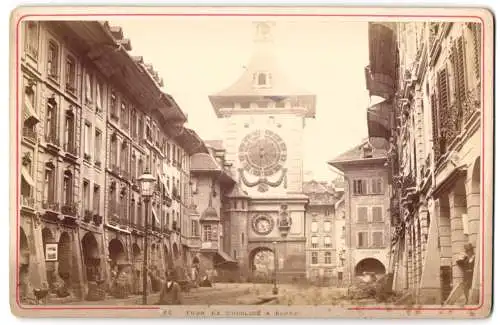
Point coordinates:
[[262, 264], [116, 252], [24, 256], [65, 258], [369, 265], [50, 266], [90, 250]]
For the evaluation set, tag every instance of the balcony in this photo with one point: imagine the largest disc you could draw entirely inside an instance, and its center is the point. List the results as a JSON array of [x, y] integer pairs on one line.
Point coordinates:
[[115, 169], [211, 245], [113, 218], [87, 157], [71, 150], [52, 141], [98, 163], [193, 242], [52, 209], [29, 133], [28, 202], [69, 209], [97, 219], [87, 216], [124, 173]]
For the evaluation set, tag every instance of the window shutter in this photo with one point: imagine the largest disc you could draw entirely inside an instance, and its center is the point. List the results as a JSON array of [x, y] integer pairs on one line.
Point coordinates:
[[460, 69], [476, 39], [362, 214], [377, 214], [443, 89], [365, 186], [435, 126], [377, 239]]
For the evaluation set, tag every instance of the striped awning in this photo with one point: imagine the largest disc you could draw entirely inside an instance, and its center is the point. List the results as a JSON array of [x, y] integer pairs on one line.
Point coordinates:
[[29, 111], [27, 176], [153, 212]]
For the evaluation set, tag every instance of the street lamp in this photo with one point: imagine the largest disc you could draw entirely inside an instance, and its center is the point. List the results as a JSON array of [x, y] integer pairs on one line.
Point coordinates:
[[146, 181], [275, 288]]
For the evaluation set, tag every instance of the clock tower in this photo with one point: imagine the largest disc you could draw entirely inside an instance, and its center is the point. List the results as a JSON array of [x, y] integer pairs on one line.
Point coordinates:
[[264, 115]]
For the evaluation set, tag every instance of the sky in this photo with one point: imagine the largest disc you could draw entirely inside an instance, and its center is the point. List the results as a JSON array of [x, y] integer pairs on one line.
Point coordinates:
[[200, 56]]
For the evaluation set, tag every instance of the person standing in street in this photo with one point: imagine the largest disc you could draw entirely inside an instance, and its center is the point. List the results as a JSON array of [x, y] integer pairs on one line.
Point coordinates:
[[171, 291], [467, 266]]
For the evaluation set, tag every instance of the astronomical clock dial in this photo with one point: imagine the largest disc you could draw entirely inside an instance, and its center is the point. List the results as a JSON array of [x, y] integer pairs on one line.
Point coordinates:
[[262, 225], [262, 153]]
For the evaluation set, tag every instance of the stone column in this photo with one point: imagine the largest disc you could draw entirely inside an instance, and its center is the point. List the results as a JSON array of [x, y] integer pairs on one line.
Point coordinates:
[[457, 209], [409, 255], [430, 284], [444, 231], [77, 266], [473, 211]]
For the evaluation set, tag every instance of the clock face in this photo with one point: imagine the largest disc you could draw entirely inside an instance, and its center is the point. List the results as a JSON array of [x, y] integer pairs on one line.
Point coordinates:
[[262, 225], [262, 153]]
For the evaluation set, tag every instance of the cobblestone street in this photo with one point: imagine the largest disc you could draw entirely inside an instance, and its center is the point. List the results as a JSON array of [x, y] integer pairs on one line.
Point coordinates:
[[241, 294]]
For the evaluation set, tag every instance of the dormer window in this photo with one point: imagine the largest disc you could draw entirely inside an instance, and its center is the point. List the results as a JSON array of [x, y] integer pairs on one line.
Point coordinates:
[[262, 79], [367, 151]]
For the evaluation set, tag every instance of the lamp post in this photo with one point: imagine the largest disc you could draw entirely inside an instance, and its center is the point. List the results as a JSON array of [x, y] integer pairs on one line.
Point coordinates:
[[275, 288], [146, 180]]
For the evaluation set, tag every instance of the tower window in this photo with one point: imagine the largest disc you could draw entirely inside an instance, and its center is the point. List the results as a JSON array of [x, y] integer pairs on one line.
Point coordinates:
[[262, 79]]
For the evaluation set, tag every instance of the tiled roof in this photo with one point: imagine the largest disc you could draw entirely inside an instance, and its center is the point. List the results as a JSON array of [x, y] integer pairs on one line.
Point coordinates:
[[204, 162], [316, 187], [356, 153], [215, 144]]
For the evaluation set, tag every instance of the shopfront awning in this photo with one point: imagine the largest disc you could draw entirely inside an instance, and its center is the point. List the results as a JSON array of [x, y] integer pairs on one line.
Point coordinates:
[[30, 112], [226, 258], [378, 117], [27, 176], [155, 216]]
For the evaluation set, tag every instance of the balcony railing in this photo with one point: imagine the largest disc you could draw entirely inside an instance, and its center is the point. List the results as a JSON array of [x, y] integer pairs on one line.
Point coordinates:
[[70, 148], [87, 216], [50, 205], [124, 173], [113, 218], [97, 219], [52, 139], [115, 169], [69, 209], [29, 133], [28, 201]]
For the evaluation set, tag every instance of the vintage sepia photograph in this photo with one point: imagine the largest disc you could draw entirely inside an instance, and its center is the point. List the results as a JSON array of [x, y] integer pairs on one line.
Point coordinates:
[[169, 161]]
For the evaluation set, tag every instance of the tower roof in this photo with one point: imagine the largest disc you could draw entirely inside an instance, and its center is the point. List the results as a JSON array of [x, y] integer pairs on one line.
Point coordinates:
[[276, 87]]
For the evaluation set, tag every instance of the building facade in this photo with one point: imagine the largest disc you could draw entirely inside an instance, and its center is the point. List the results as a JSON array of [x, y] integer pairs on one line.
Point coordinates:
[[434, 129], [94, 119], [321, 248], [366, 202]]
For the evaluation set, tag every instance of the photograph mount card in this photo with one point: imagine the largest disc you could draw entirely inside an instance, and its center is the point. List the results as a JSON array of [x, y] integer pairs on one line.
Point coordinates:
[[286, 162]]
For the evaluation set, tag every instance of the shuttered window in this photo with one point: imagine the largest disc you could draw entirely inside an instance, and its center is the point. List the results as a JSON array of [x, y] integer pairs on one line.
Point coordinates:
[[363, 239], [362, 215], [435, 124], [476, 39], [377, 214], [377, 239], [443, 89], [460, 68]]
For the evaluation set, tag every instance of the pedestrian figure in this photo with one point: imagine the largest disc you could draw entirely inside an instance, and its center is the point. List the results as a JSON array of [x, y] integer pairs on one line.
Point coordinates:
[[467, 265], [171, 291]]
